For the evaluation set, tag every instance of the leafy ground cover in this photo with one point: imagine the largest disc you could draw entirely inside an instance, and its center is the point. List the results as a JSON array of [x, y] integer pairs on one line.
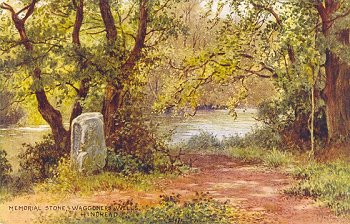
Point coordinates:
[[67, 181], [201, 209], [327, 182]]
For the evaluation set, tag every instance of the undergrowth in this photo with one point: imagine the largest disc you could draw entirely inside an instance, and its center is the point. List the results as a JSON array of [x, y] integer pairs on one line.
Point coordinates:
[[68, 181], [201, 209], [329, 183], [257, 138], [271, 158], [204, 141], [5, 175], [5, 169], [251, 148]]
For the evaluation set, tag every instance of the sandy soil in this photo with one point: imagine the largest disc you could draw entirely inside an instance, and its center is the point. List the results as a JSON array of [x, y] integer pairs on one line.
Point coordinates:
[[249, 187]]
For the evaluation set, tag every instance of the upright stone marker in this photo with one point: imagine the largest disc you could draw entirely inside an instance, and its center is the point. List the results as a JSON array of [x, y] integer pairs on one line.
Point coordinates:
[[88, 146]]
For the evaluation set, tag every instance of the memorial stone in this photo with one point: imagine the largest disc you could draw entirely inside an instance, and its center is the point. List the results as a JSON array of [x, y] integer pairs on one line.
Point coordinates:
[[88, 146]]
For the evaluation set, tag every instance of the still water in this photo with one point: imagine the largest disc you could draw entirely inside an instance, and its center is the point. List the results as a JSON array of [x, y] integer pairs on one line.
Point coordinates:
[[218, 122]]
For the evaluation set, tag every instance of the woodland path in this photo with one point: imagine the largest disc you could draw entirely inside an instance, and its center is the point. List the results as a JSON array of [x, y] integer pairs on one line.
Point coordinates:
[[250, 187]]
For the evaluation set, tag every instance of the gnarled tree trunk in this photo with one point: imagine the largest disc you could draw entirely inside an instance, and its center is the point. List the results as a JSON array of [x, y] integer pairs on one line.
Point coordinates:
[[114, 89], [336, 93], [52, 116], [337, 97]]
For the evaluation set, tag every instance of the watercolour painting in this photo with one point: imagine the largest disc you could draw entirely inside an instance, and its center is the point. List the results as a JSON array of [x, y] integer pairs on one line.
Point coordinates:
[[174, 111]]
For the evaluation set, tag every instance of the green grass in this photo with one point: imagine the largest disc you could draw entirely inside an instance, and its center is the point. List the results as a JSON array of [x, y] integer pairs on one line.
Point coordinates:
[[329, 183], [270, 158], [67, 181], [246, 154], [276, 158]]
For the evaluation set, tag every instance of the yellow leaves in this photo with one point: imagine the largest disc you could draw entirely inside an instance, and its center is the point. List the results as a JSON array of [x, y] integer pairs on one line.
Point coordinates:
[[308, 70]]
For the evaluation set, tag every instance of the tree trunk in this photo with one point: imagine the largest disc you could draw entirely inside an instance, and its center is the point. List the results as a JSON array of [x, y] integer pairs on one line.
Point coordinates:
[[337, 97], [52, 116], [84, 84], [111, 105], [113, 92], [336, 93]]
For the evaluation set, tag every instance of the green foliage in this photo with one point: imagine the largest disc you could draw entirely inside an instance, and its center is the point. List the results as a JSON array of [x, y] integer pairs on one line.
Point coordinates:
[[203, 141], [258, 146], [137, 147], [122, 163], [38, 162], [201, 209], [261, 137], [68, 181], [6, 179], [282, 48], [329, 182], [289, 115], [5, 169]]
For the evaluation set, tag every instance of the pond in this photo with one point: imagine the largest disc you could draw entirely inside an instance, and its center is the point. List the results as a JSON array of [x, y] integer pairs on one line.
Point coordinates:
[[217, 122]]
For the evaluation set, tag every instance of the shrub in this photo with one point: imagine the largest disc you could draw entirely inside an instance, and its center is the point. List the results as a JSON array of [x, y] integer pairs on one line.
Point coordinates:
[[199, 210], [38, 162], [263, 137], [260, 137], [137, 147], [5, 169], [289, 116], [156, 162], [203, 141], [121, 163], [330, 183]]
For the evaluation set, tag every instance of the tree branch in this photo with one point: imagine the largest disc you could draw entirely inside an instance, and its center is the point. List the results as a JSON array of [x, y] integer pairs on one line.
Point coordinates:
[[270, 10], [30, 9], [108, 20], [78, 22], [140, 37], [290, 49]]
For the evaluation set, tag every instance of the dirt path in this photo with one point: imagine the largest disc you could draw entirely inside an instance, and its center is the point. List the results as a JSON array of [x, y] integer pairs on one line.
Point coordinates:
[[252, 188]]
